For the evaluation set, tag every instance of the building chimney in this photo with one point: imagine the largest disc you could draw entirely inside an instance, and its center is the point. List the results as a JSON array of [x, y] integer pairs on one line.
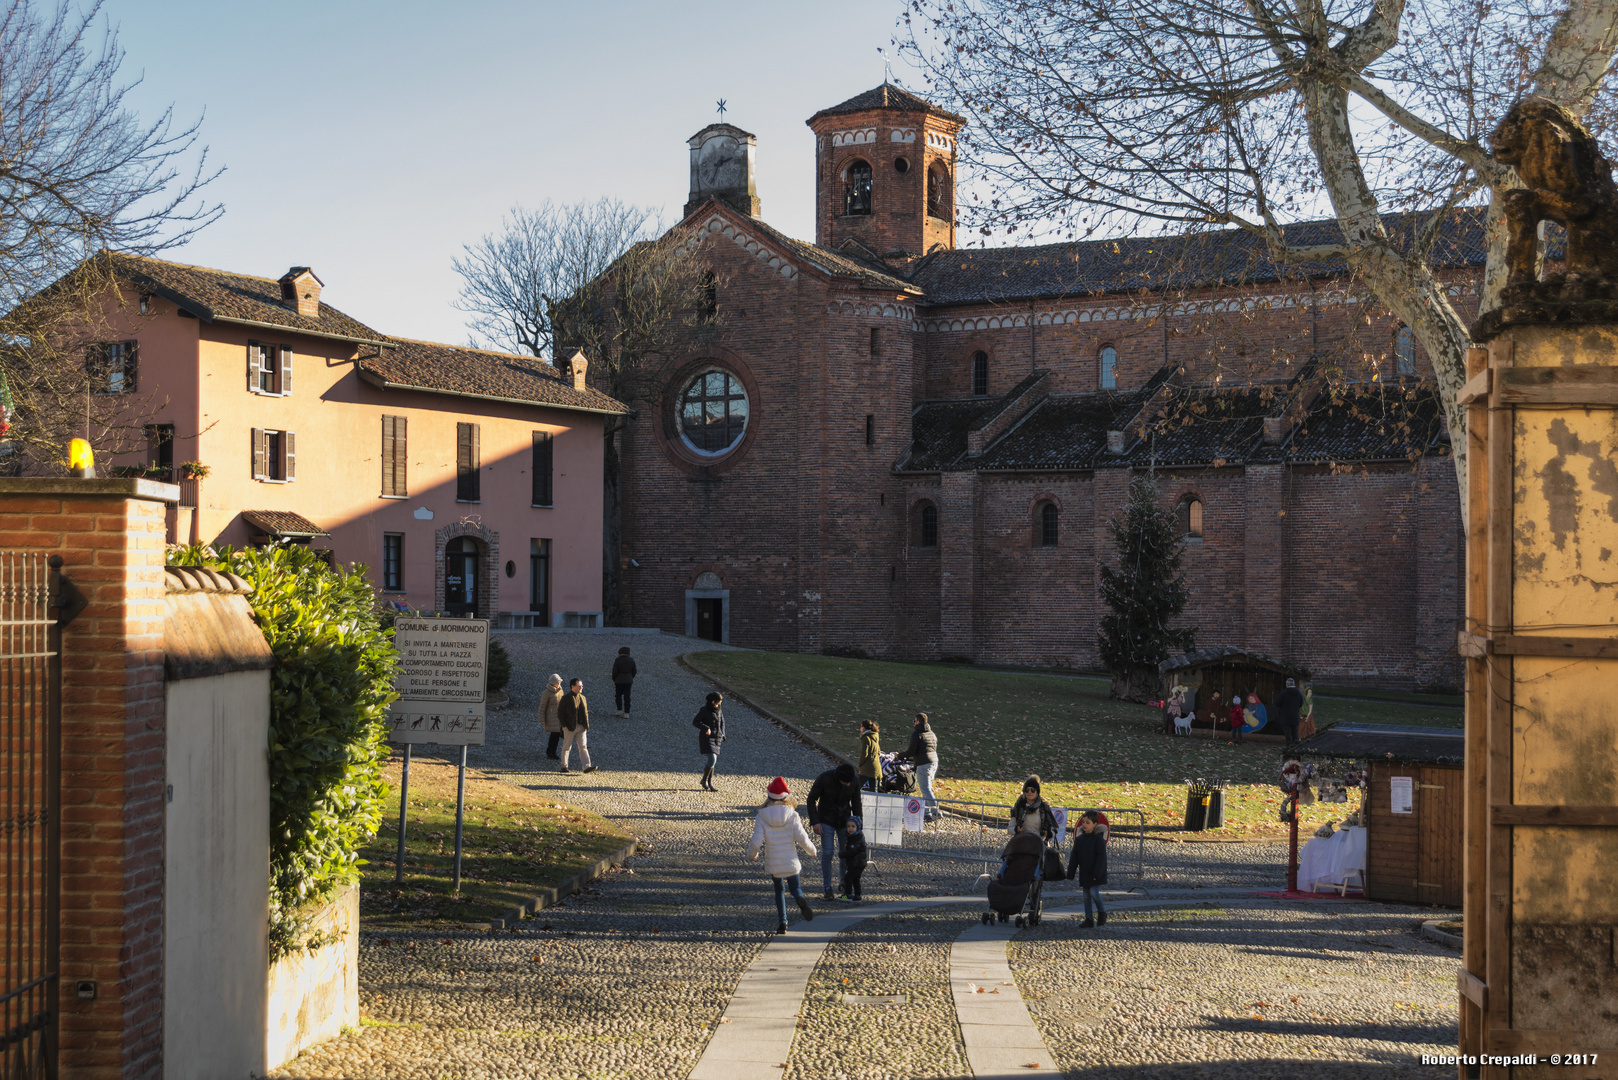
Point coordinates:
[[300, 291], [1274, 429], [1115, 443], [574, 369], [722, 168]]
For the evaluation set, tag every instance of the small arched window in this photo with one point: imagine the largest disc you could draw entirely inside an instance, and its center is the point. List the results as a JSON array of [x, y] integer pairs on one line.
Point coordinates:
[[1109, 367], [980, 373], [1191, 517], [857, 188], [1404, 351], [938, 200], [926, 526], [1046, 525]]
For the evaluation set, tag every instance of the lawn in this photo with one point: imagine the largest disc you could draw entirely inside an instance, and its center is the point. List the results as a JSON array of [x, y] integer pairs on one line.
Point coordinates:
[[515, 842], [994, 728]]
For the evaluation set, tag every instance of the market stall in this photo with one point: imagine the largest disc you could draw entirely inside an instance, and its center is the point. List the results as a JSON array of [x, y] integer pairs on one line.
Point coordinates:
[[1404, 839]]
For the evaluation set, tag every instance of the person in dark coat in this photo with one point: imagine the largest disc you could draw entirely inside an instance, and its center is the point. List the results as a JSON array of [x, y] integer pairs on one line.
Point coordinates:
[[1089, 864], [833, 796], [710, 725], [623, 681], [574, 714], [923, 751], [1031, 813], [1288, 707], [856, 856]]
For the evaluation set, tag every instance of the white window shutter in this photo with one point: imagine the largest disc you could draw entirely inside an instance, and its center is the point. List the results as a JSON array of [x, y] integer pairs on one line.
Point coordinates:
[[252, 368], [289, 443], [258, 453], [286, 370]]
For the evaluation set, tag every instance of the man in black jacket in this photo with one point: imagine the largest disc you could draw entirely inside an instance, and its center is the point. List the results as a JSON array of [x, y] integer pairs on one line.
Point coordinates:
[[923, 750], [833, 797], [1288, 704], [710, 725]]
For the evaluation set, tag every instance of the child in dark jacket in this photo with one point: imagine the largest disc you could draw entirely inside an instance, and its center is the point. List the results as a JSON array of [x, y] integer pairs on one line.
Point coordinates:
[[1089, 864], [856, 855]]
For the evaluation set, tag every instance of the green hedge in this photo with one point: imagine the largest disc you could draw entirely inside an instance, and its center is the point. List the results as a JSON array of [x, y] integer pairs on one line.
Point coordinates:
[[329, 696]]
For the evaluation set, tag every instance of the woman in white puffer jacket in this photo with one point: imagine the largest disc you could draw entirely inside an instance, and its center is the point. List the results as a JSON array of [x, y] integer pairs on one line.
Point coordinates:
[[779, 833]]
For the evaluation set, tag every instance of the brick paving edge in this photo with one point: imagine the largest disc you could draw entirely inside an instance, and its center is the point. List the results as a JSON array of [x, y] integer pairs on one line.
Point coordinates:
[[552, 896]]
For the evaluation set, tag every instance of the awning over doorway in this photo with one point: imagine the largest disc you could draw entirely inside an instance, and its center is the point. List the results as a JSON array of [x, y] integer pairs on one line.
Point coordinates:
[[283, 525]]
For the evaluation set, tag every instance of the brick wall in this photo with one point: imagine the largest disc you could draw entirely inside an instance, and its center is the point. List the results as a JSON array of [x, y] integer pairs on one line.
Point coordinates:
[[899, 220], [110, 536]]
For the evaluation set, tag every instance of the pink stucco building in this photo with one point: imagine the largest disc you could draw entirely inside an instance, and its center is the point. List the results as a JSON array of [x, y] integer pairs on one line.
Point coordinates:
[[468, 481]]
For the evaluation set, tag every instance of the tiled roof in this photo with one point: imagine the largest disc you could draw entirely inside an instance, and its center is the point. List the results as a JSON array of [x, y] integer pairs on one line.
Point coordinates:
[[478, 373], [1131, 264], [834, 263], [1380, 422], [938, 431], [1198, 426], [283, 523], [888, 96], [221, 296]]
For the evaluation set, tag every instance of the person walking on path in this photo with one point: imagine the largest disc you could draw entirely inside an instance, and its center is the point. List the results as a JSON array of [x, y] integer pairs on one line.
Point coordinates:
[[623, 681], [923, 751], [856, 856], [575, 715], [550, 715], [779, 833], [1032, 814], [1288, 708], [710, 725], [870, 755], [832, 798], [1089, 864]]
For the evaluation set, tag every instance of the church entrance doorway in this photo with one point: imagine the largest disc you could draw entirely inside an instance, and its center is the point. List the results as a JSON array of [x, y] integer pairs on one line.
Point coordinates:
[[710, 619], [707, 609], [461, 557]]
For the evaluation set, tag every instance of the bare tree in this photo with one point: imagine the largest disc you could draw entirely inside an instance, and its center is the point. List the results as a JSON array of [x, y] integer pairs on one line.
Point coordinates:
[[598, 276], [1202, 114], [80, 174]]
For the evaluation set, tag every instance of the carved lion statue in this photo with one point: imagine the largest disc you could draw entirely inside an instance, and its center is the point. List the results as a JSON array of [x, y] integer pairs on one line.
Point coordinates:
[[1566, 180]]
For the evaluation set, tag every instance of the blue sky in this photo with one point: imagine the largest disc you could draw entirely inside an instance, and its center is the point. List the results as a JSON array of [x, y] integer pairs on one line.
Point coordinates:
[[370, 140]]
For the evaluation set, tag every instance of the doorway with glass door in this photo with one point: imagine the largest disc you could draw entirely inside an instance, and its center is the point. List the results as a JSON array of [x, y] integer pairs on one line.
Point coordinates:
[[461, 558]]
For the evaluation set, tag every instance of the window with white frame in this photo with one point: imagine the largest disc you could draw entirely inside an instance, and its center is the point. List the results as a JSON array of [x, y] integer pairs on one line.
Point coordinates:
[[269, 368], [110, 366], [275, 456]]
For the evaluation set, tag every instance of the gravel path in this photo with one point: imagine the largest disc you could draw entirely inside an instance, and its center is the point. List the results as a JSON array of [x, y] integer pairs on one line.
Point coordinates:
[[630, 978]]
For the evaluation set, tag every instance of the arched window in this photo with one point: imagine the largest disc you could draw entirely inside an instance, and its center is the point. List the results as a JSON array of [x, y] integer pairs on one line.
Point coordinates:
[[1046, 525], [857, 188], [1190, 515], [925, 526], [1109, 367], [713, 412], [938, 201], [1404, 351], [980, 373]]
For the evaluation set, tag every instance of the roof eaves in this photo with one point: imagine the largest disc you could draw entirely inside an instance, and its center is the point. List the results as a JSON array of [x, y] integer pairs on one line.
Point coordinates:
[[286, 329], [382, 382]]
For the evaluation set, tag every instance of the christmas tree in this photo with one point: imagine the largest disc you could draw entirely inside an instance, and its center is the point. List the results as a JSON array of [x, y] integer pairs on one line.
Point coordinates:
[[1146, 594]]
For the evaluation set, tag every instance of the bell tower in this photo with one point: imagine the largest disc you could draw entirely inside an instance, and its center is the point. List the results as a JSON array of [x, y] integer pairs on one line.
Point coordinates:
[[885, 174], [722, 168]]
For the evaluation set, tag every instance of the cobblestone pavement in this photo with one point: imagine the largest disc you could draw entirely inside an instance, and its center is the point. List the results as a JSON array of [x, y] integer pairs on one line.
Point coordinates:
[[630, 978]]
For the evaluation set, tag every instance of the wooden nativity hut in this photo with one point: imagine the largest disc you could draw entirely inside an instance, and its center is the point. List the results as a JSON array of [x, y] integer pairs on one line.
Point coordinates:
[[1215, 674]]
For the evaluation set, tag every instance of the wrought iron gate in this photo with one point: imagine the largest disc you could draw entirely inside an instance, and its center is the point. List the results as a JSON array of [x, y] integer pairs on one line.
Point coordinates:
[[30, 818]]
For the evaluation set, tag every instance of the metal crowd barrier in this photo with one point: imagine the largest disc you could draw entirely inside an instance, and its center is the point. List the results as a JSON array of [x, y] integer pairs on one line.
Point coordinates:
[[975, 832]]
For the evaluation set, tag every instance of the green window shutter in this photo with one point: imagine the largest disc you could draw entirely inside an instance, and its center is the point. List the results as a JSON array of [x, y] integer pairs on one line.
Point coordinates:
[[544, 457]]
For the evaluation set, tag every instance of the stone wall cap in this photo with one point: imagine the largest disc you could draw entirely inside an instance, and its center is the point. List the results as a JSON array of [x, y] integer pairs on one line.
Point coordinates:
[[129, 487], [189, 579]]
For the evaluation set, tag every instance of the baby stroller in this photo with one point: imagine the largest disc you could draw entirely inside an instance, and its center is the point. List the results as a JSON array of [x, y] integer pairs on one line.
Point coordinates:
[[898, 777], [1018, 889]]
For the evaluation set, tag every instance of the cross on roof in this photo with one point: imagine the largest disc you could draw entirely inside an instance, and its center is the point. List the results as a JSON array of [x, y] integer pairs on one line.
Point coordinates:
[[721, 104]]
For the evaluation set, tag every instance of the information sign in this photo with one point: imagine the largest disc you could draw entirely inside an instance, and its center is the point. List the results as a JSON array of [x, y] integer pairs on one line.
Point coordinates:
[[884, 818], [440, 679], [1403, 794]]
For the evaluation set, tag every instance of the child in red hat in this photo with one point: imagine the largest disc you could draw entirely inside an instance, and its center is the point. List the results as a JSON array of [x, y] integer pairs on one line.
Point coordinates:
[[779, 833]]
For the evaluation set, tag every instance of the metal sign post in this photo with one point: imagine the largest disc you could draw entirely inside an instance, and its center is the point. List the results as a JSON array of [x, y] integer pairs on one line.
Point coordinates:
[[443, 665]]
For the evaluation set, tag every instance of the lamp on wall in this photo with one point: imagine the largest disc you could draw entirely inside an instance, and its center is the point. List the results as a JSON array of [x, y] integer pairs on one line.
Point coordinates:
[[81, 460]]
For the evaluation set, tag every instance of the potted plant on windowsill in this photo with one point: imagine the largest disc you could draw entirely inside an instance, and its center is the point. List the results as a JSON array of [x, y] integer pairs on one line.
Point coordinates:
[[194, 470]]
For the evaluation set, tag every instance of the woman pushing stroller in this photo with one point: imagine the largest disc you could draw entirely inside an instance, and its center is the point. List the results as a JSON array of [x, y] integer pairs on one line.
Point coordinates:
[[1032, 814]]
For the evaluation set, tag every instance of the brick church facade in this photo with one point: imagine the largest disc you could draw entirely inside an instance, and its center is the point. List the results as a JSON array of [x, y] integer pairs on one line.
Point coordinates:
[[897, 447]]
